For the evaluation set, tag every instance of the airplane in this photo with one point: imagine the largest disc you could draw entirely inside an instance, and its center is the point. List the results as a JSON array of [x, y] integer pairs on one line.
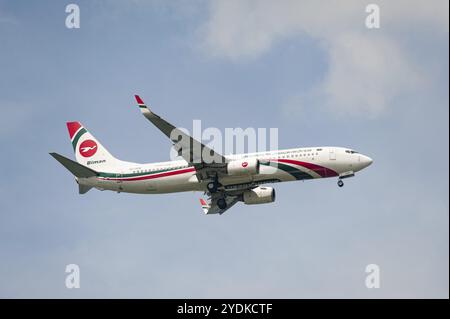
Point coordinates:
[[225, 180]]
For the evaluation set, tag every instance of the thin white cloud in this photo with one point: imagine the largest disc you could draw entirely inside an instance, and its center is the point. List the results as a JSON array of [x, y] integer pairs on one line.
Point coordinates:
[[366, 73], [367, 68]]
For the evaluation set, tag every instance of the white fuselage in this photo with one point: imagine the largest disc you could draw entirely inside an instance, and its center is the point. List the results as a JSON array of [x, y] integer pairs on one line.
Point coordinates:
[[276, 166]]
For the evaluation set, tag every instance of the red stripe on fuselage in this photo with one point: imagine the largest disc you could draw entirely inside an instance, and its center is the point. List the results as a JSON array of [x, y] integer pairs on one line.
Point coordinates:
[[165, 174], [321, 170]]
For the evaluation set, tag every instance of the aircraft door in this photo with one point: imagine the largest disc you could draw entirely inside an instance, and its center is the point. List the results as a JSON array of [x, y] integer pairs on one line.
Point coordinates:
[[332, 154]]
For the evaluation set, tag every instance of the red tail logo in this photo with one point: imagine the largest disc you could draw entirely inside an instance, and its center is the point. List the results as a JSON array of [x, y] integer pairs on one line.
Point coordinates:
[[244, 164], [88, 148]]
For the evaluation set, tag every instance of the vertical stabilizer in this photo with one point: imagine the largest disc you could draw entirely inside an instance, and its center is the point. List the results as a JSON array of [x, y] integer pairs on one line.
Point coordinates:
[[88, 150]]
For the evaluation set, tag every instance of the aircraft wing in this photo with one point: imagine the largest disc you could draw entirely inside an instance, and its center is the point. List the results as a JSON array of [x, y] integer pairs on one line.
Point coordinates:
[[212, 208], [193, 151]]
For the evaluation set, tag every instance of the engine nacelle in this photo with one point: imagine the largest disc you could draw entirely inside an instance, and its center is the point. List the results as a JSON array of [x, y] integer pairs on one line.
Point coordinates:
[[259, 195], [245, 166]]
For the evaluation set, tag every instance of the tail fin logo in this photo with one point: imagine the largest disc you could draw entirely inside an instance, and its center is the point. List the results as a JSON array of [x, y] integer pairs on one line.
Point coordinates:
[[88, 148]]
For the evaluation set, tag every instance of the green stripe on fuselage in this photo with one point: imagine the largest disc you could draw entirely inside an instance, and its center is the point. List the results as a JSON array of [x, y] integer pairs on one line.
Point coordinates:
[[289, 169], [299, 175], [115, 175]]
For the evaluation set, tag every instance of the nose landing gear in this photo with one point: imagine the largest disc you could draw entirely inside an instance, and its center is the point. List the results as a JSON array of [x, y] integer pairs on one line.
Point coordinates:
[[341, 176]]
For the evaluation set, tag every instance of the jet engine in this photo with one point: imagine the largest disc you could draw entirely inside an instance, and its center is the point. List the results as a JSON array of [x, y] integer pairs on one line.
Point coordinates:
[[259, 195], [246, 166]]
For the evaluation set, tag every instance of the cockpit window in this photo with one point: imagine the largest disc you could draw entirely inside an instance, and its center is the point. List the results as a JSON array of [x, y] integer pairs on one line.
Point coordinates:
[[351, 152]]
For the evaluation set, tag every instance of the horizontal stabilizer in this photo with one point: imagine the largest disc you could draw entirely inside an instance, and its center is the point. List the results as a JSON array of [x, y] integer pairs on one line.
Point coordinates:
[[76, 169], [83, 189]]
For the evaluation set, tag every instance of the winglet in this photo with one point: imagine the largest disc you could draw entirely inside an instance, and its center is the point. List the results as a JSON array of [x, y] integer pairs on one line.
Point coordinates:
[[205, 206], [139, 100], [144, 109]]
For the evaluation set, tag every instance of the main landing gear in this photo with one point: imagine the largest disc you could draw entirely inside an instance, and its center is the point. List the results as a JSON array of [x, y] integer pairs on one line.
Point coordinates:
[[222, 203], [213, 185], [340, 183]]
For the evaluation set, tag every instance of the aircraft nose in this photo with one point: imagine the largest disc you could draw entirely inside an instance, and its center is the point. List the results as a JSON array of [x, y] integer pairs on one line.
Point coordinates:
[[365, 160]]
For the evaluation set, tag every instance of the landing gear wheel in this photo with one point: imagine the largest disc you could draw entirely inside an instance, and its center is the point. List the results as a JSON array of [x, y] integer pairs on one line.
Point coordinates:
[[221, 203], [340, 183], [212, 187]]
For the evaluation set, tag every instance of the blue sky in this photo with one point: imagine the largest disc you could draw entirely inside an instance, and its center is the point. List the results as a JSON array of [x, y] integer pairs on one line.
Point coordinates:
[[310, 69]]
